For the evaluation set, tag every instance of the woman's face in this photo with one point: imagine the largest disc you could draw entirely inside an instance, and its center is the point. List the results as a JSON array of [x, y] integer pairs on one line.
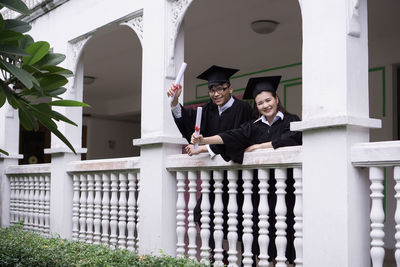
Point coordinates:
[[267, 104]]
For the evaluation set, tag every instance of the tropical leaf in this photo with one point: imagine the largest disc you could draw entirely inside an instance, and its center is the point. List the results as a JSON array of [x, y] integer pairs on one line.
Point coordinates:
[[51, 59], [17, 25], [16, 5], [8, 36], [31, 69], [12, 50], [26, 42], [57, 70], [52, 81], [24, 77], [57, 92], [68, 103], [36, 51], [26, 118], [2, 98], [4, 152]]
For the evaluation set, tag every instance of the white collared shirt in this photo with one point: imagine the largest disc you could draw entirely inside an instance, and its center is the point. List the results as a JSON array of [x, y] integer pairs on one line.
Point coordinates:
[[263, 119], [177, 110]]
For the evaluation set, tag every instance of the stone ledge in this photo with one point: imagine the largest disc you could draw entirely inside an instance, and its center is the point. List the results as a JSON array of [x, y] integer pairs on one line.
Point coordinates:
[[56, 150], [335, 121], [159, 140]]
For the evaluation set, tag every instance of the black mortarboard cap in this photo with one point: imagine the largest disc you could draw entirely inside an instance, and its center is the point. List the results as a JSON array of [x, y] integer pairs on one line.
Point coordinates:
[[217, 75], [261, 84]]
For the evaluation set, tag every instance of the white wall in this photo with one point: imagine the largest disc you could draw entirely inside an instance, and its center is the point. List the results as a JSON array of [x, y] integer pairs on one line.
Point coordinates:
[[108, 138]]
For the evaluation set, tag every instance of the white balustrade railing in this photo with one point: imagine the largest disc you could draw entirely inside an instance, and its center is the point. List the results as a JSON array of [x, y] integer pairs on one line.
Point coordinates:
[[256, 165], [378, 156], [104, 209], [30, 196]]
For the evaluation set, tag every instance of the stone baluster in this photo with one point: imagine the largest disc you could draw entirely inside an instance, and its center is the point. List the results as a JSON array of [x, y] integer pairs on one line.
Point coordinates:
[[377, 216], [31, 205], [47, 204], [205, 216], [218, 219], [397, 213], [281, 241], [263, 210], [82, 207], [97, 209], [15, 200], [105, 209], [114, 210], [36, 203], [41, 203], [232, 218], [12, 199], [298, 216], [26, 203], [247, 218], [180, 214], [131, 225], [122, 210], [89, 208], [192, 233], [75, 208], [138, 210], [20, 199]]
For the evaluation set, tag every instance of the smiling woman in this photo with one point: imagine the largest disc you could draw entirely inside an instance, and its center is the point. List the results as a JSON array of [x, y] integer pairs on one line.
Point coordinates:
[[270, 130]]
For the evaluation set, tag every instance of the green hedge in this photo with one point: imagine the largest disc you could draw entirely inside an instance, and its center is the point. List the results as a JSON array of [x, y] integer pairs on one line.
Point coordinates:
[[23, 248]]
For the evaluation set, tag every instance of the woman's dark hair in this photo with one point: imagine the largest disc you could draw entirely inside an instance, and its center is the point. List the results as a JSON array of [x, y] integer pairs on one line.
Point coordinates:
[[280, 107]]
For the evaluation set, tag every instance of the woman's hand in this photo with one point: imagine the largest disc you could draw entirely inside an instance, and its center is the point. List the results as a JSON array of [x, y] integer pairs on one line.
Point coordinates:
[[259, 146], [196, 138], [175, 90], [190, 150], [252, 148]]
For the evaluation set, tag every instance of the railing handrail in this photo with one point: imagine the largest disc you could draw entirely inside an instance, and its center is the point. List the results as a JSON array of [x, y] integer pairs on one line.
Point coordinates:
[[129, 163], [28, 169], [376, 154], [284, 156]]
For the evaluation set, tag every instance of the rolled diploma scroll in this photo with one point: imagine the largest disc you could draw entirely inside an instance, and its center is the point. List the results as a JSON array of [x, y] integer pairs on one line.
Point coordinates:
[[198, 123], [178, 80]]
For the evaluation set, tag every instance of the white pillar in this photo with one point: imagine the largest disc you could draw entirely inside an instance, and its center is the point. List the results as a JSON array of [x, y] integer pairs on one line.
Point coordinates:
[[335, 116], [61, 183], [9, 141], [158, 193]]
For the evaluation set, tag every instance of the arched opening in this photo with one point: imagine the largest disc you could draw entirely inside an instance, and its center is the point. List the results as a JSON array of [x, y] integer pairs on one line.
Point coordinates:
[[221, 33], [112, 62]]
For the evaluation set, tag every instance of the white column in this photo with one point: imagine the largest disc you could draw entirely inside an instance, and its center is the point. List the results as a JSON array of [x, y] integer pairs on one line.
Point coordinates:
[[218, 219], [232, 218], [335, 114], [205, 216], [180, 214], [159, 137], [9, 141]]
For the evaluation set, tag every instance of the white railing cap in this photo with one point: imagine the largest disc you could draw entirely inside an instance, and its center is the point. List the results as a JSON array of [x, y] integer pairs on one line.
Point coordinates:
[[376, 154], [281, 157], [104, 165], [28, 169]]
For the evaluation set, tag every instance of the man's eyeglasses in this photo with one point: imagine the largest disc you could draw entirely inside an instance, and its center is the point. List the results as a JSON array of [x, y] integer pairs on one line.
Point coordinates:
[[216, 89]]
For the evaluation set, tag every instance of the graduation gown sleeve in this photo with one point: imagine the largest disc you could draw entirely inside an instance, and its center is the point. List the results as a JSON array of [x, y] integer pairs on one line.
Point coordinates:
[[287, 137]]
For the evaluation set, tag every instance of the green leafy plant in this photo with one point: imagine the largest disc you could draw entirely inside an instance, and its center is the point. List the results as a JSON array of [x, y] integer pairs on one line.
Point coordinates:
[[31, 77], [23, 248]]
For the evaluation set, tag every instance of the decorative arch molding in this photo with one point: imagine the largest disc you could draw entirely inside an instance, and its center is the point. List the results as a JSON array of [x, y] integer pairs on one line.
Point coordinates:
[[176, 13], [353, 18], [76, 45]]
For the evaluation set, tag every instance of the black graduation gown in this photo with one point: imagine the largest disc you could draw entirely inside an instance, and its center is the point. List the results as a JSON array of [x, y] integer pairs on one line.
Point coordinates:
[[212, 123], [250, 133]]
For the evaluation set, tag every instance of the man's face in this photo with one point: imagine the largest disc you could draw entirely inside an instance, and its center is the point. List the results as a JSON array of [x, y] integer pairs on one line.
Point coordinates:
[[220, 94]]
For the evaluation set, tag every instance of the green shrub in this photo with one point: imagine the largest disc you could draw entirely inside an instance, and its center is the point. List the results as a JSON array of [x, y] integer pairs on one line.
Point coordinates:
[[23, 248]]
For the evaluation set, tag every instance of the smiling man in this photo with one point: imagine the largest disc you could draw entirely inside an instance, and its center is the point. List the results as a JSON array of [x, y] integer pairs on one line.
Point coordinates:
[[222, 112]]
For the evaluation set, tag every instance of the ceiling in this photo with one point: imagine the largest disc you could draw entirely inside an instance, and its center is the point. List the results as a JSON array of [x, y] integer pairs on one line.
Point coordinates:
[[216, 32]]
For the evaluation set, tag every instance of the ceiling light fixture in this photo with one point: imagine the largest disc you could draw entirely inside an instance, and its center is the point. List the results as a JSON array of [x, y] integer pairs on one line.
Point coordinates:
[[88, 79], [264, 26]]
